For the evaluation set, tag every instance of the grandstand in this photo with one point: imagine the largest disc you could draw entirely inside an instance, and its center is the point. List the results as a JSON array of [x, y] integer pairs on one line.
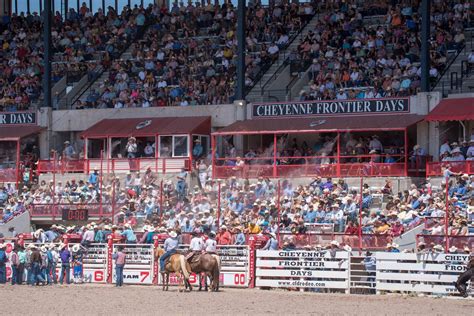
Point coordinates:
[[143, 106]]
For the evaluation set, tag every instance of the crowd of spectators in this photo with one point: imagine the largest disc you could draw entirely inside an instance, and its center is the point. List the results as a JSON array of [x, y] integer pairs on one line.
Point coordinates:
[[188, 56], [81, 42], [351, 57], [320, 205]]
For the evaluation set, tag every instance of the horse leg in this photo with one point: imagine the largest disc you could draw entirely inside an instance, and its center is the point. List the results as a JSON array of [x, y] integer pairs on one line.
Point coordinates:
[[180, 281], [163, 280], [167, 281], [200, 282]]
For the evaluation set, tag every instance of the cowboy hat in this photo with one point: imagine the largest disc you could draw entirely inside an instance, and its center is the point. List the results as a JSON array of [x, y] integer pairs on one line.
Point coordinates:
[[76, 248], [438, 248], [334, 243], [394, 245], [347, 248], [453, 249], [389, 245], [44, 248], [173, 234]]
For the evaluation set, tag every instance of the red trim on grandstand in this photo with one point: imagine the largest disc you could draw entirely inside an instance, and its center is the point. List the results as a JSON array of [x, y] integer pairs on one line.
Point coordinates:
[[461, 109], [157, 126], [17, 132], [322, 125]]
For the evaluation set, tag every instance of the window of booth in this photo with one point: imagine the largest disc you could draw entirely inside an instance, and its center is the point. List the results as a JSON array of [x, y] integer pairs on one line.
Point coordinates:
[[95, 146], [119, 147], [174, 146]]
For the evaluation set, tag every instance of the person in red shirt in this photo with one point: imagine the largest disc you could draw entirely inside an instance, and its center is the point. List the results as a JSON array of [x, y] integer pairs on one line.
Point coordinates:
[[224, 238]]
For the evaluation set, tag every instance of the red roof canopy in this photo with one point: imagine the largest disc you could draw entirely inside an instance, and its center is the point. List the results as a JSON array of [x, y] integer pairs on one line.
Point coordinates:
[[461, 109], [322, 124], [16, 132], [158, 126]]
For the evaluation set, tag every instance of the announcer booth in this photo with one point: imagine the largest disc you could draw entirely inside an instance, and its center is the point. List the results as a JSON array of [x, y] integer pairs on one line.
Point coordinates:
[[18, 144], [318, 138], [453, 120], [164, 144]]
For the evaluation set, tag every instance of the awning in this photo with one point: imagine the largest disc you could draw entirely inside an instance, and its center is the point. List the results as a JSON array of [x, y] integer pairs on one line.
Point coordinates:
[[461, 109], [139, 127], [17, 132], [322, 124]]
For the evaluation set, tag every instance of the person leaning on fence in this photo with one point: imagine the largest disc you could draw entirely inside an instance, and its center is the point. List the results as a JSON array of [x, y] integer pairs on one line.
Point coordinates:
[[272, 243], [130, 237], [119, 258], [36, 263], [240, 238]]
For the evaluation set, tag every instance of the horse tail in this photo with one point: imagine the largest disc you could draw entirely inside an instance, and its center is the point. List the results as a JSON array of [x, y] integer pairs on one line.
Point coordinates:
[[218, 259], [182, 261]]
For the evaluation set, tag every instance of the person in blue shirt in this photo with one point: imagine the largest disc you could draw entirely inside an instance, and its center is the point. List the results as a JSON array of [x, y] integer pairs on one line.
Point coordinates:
[[94, 178], [240, 239], [170, 247], [366, 199], [370, 266], [272, 243], [129, 235], [310, 217], [197, 149]]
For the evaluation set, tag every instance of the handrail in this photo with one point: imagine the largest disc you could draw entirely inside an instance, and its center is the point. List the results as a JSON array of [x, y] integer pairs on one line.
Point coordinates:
[[285, 61], [137, 37]]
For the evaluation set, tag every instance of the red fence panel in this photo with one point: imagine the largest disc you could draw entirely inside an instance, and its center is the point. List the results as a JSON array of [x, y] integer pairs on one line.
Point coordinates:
[[436, 168]]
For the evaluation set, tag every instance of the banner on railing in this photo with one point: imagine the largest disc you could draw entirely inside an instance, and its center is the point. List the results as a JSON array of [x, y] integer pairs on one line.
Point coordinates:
[[302, 269], [433, 273]]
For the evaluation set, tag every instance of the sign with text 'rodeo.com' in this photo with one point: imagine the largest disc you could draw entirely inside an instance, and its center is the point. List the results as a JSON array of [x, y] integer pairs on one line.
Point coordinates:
[[303, 269], [334, 107]]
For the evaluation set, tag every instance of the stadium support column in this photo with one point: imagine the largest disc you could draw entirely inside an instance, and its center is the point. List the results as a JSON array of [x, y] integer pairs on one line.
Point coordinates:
[[425, 45], [240, 92], [47, 54]]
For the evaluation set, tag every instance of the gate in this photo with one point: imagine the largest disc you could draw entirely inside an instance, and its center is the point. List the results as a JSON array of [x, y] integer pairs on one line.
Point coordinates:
[[139, 262]]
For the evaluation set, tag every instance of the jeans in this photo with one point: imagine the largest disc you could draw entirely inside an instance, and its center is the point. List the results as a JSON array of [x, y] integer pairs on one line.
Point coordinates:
[[3, 274], [20, 273], [37, 277], [119, 274], [52, 278], [15, 275], [45, 274], [165, 256], [65, 269], [29, 275]]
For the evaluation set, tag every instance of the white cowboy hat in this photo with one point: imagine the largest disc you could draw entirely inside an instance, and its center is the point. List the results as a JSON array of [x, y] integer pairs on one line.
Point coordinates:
[[37, 233], [389, 245], [173, 234], [44, 248], [347, 248], [438, 248], [453, 249], [2, 246], [394, 245], [76, 248], [334, 243]]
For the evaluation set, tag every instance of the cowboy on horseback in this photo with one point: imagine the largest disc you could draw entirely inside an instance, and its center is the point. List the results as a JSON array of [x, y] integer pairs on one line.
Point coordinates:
[[211, 244], [170, 247], [196, 246], [461, 283]]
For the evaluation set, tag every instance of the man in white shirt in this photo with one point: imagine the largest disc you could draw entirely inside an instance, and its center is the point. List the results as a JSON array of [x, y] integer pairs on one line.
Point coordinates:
[[444, 148], [273, 49], [196, 245]]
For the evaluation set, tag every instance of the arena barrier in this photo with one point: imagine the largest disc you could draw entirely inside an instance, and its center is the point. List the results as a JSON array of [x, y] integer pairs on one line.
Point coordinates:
[[431, 273], [303, 269]]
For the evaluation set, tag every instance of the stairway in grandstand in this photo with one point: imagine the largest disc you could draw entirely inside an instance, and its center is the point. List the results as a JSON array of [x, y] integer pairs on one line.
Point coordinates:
[[21, 223], [458, 78], [280, 69]]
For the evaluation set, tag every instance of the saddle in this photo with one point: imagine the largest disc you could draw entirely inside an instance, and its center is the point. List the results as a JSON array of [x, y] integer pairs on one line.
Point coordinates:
[[192, 256]]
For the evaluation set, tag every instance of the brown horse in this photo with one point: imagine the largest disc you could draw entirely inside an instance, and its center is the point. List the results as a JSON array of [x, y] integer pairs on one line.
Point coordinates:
[[177, 264], [210, 266]]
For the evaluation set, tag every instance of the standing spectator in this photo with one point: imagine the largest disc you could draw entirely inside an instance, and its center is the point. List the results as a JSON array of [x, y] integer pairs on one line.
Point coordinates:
[[370, 265], [21, 267], [119, 258], [272, 243], [224, 238], [3, 261], [68, 152], [36, 263], [65, 256], [131, 149], [240, 238]]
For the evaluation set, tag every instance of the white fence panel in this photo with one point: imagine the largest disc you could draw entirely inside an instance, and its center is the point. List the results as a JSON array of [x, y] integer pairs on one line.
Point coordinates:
[[432, 273], [302, 269]]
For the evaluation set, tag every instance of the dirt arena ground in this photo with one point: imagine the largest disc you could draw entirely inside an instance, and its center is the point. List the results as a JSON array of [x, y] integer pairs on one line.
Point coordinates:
[[141, 300]]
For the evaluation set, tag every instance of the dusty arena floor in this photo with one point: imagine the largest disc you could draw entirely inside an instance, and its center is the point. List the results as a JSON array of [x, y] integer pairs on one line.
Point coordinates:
[[140, 300]]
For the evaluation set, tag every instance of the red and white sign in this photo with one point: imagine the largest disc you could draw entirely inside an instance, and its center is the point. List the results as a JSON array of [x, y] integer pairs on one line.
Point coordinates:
[[135, 277], [94, 276]]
